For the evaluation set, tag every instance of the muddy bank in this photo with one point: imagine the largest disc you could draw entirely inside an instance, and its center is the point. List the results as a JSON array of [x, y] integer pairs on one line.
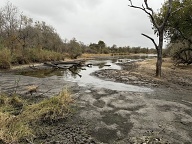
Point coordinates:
[[130, 117], [162, 116], [107, 116], [143, 74]]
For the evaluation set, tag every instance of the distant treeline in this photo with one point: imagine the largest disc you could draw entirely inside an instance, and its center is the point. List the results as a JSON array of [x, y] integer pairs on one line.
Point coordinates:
[[22, 41]]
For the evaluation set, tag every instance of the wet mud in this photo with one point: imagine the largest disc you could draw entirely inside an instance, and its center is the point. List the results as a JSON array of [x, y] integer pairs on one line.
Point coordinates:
[[107, 116]]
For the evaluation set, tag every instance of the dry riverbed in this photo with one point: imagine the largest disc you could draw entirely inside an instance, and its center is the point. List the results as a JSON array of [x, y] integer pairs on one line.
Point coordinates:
[[101, 115]]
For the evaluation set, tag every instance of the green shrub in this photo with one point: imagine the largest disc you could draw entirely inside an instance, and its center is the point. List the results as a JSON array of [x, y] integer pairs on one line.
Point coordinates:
[[5, 58], [19, 58], [39, 55]]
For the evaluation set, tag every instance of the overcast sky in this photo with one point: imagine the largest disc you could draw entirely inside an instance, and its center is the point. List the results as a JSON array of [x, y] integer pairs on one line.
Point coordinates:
[[92, 20]]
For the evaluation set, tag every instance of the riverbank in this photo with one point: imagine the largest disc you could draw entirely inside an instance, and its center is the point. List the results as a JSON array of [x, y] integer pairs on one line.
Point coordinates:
[[83, 57], [107, 116], [143, 73], [171, 75]]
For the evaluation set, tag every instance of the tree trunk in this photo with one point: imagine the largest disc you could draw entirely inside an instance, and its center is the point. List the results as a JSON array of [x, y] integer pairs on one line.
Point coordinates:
[[158, 65], [159, 27], [159, 55]]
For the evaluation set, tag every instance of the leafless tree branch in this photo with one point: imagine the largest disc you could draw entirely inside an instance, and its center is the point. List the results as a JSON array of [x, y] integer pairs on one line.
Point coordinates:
[[145, 10], [151, 40], [147, 6]]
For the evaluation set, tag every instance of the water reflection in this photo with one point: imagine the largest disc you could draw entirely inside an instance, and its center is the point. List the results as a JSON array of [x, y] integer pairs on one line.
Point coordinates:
[[88, 80], [42, 73], [81, 75]]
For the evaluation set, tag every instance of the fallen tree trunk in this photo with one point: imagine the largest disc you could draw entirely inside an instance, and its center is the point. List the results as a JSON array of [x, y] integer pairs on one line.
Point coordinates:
[[77, 63], [55, 66], [63, 67]]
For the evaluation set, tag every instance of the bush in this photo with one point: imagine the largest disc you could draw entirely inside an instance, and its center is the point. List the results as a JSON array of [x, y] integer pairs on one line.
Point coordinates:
[[39, 55], [180, 52], [26, 56], [19, 58], [5, 58]]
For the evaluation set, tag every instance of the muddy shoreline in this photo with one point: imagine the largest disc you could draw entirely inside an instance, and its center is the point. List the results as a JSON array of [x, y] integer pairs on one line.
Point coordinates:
[[109, 116]]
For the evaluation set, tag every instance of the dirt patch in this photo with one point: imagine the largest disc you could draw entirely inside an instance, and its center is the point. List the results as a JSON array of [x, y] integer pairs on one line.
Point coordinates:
[[67, 131]]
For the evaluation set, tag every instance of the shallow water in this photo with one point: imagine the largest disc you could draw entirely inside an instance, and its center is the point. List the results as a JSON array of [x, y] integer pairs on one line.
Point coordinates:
[[88, 80], [85, 79]]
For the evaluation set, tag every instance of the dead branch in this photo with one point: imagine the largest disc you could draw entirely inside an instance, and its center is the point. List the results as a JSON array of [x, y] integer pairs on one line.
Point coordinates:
[[77, 63], [151, 40], [33, 67], [151, 15], [70, 68], [55, 66], [147, 6]]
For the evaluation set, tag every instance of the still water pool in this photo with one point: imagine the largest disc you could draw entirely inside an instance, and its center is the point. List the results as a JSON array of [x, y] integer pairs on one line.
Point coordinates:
[[83, 77], [87, 80]]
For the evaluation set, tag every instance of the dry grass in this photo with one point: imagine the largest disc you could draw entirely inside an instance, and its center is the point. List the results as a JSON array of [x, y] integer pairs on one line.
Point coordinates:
[[49, 110], [19, 128], [13, 129], [87, 55], [5, 59], [28, 56], [171, 74], [31, 89], [167, 65]]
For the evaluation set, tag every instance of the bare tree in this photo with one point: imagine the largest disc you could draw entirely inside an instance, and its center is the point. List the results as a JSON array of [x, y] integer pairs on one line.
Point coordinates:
[[9, 25], [25, 29], [160, 27]]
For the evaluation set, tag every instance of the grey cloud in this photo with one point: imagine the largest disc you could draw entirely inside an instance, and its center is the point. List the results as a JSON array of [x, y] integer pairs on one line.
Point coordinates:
[[93, 20]]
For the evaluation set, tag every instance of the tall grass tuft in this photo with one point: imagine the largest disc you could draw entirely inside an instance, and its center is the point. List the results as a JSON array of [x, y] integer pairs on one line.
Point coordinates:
[[49, 110], [19, 128], [13, 129]]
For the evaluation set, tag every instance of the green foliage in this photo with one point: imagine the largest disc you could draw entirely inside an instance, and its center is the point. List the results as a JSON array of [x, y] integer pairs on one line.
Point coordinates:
[[178, 30], [179, 25], [19, 57], [74, 49], [180, 52]]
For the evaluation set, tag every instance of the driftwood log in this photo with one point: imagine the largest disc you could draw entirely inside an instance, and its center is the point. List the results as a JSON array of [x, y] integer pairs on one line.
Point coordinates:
[[72, 66], [66, 66]]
